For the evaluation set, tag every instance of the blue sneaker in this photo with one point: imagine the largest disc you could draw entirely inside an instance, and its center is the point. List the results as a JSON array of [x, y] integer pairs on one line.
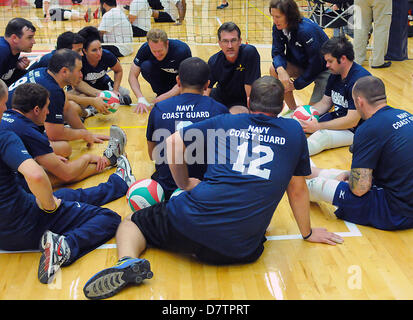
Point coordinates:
[[110, 281]]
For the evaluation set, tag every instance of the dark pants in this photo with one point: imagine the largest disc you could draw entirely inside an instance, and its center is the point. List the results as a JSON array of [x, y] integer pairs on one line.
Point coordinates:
[[160, 81], [164, 17], [79, 218], [113, 49], [138, 32]]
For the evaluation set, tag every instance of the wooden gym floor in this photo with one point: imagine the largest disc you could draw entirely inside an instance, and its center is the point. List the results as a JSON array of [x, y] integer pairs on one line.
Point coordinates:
[[370, 264]]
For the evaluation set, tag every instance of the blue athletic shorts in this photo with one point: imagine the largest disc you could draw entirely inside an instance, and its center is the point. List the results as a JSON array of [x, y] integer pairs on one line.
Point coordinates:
[[370, 209]]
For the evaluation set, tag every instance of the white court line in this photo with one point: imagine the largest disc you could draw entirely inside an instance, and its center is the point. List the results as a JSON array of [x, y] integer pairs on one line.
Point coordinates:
[[354, 232]]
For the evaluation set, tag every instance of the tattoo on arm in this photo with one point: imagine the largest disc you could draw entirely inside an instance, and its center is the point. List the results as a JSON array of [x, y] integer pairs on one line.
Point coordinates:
[[360, 180]]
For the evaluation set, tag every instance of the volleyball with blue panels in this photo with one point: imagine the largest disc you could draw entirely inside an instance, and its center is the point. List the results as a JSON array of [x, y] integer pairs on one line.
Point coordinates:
[[111, 99], [306, 113], [144, 193]]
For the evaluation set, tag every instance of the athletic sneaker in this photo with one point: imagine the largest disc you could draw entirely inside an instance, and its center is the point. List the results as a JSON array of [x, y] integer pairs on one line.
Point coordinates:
[[116, 145], [125, 100], [76, 2], [223, 5], [55, 252], [110, 281], [96, 14], [90, 111], [88, 15], [124, 170]]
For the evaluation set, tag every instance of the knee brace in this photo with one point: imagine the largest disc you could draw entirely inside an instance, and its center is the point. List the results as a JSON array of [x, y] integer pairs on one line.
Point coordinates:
[[330, 173], [322, 189], [328, 139]]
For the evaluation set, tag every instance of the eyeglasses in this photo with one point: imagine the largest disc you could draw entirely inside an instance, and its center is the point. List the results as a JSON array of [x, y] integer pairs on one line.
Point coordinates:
[[226, 42]]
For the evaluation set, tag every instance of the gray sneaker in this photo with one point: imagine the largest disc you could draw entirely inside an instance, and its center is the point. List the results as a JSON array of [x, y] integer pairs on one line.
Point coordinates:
[[116, 145], [90, 111], [55, 252], [124, 170], [125, 100]]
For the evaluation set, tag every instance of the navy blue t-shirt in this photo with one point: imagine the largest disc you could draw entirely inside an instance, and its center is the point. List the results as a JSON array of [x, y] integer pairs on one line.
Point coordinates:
[[171, 115], [340, 90], [32, 136], [7, 61], [231, 77], [57, 94], [97, 77], [384, 143], [253, 159], [167, 69], [302, 48], [12, 196]]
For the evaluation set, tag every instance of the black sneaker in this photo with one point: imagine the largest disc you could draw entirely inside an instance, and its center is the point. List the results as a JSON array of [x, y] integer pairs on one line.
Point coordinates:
[[223, 5], [110, 281], [55, 252]]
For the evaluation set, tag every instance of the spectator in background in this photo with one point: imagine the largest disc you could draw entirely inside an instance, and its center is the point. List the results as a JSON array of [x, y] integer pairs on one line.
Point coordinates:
[[115, 28], [140, 17], [367, 11]]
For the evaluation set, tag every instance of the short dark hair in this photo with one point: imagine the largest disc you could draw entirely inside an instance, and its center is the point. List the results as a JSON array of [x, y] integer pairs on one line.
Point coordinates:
[[90, 34], [371, 88], [228, 27], [338, 47], [16, 25], [68, 39], [267, 95], [29, 95], [291, 11], [194, 73], [110, 3], [63, 58]]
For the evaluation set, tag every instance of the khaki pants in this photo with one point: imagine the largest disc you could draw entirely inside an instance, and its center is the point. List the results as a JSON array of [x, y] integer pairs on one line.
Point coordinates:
[[365, 12]]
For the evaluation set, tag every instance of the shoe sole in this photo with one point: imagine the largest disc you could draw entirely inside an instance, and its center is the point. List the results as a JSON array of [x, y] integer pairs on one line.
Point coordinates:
[[128, 170], [44, 263], [110, 281], [123, 134]]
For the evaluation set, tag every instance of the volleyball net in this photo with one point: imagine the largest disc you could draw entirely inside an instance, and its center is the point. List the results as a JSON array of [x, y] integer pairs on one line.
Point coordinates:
[[202, 19]]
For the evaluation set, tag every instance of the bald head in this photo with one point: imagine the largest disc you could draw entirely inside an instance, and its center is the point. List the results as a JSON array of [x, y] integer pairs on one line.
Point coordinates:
[[370, 88]]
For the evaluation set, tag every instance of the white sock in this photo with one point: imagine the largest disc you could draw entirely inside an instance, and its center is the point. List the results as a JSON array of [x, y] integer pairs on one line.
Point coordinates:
[[328, 139], [68, 14], [322, 189]]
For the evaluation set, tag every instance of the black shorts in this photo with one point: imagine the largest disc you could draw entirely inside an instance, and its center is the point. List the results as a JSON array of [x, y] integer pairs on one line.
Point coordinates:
[[159, 233], [58, 14], [218, 95]]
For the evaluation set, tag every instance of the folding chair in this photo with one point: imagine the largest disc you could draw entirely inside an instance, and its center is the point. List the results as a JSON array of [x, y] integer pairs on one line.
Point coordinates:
[[322, 13]]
